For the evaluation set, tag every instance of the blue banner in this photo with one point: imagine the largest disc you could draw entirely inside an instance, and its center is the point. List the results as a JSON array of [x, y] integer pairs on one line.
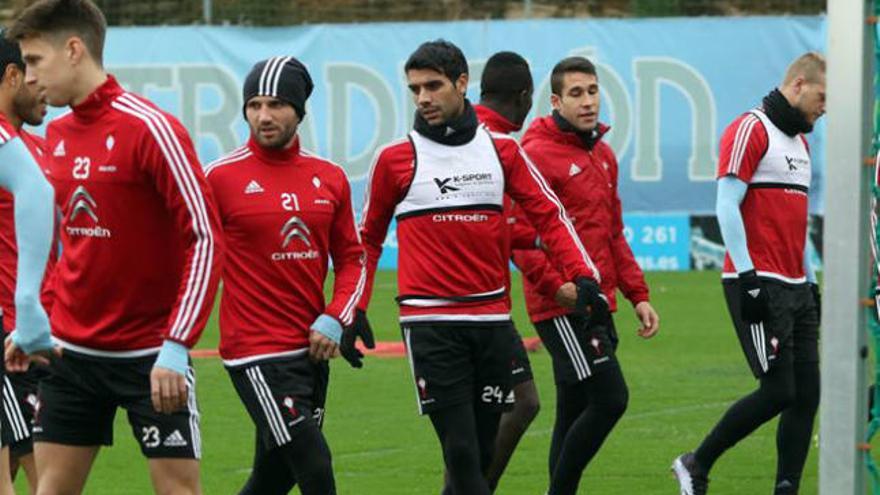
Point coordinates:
[[669, 86], [659, 242]]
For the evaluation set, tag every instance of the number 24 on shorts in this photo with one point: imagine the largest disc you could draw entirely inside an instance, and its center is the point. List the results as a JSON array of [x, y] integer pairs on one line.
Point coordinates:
[[492, 394]]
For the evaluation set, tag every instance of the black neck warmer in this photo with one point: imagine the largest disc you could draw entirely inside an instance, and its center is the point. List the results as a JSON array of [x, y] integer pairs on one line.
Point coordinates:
[[589, 138], [458, 131], [788, 119]]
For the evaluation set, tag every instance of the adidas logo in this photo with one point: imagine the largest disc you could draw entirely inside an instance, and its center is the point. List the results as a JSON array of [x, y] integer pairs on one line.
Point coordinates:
[[253, 188], [174, 440], [755, 293], [784, 484], [59, 150], [574, 170]]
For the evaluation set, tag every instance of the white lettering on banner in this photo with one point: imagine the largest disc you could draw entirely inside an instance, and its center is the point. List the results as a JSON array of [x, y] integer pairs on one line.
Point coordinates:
[[384, 118], [658, 262]]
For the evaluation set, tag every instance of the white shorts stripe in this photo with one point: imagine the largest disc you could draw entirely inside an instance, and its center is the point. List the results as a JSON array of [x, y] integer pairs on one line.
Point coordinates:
[[20, 427], [579, 369], [273, 415], [577, 346], [412, 366], [758, 341], [194, 416], [8, 413]]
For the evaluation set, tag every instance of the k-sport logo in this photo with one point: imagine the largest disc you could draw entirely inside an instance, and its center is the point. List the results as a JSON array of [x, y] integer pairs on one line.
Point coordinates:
[[82, 203], [456, 182], [443, 185], [795, 162], [295, 228]]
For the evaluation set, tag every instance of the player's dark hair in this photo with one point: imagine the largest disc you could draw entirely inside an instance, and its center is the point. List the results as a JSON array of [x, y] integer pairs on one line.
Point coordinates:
[[10, 53], [439, 55], [566, 65], [81, 18], [505, 76]]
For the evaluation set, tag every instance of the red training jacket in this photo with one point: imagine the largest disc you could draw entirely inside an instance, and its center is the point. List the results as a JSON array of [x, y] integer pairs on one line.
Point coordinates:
[[522, 235], [586, 182], [284, 213], [140, 235]]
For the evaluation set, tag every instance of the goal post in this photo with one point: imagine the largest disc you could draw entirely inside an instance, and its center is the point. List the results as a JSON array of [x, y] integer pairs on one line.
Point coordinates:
[[850, 103]]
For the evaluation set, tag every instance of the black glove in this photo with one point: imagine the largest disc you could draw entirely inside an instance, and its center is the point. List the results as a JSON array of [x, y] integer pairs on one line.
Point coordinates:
[[817, 298], [360, 327], [753, 297], [590, 301]]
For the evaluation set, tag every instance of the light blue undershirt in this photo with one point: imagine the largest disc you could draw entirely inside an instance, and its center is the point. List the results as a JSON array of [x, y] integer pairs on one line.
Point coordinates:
[[34, 223]]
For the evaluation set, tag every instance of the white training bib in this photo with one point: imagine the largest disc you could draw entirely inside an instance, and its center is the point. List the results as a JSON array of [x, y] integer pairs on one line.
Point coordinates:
[[463, 177]]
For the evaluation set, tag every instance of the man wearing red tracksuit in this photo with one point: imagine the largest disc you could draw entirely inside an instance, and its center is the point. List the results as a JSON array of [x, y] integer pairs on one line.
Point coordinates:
[[505, 99], [568, 149], [20, 104], [285, 214], [140, 264], [445, 185]]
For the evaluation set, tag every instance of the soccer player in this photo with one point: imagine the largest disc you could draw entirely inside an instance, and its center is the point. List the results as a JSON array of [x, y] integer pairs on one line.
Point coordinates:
[[505, 99], [22, 178], [139, 267], [769, 285], [19, 104], [445, 185], [591, 393], [285, 213]]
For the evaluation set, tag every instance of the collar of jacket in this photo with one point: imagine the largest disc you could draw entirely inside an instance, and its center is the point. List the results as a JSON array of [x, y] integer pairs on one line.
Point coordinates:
[[495, 121], [585, 139], [99, 100], [279, 156]]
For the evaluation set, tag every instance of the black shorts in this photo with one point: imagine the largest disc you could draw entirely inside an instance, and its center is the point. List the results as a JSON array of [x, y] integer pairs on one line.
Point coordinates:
[[19, 403], [18, 412], [578, 352], [454, 364], [282, 396], [521, 368], [78, 399], [791, 333]]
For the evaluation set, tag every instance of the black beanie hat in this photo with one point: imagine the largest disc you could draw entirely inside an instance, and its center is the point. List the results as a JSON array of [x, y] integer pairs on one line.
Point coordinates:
[[285, 78]]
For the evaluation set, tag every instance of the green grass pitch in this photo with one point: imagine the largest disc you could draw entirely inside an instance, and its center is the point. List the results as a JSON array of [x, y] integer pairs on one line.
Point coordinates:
[[680, 383]]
